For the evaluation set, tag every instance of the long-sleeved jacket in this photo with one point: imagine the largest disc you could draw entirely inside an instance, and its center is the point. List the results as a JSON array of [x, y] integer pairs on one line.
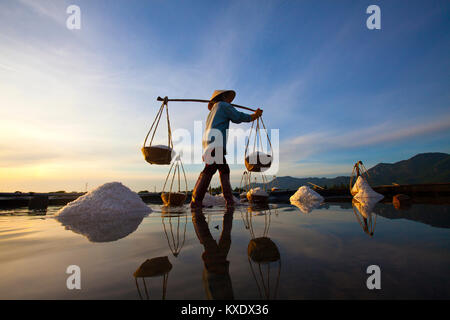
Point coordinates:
[[219, 121]]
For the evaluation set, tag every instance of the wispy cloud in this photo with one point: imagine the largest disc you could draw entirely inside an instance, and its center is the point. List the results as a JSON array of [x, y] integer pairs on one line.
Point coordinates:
[[55, 10], [304, 146]]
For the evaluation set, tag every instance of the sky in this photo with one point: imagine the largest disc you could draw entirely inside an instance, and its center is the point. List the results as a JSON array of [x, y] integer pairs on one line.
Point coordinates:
[[75, 105]]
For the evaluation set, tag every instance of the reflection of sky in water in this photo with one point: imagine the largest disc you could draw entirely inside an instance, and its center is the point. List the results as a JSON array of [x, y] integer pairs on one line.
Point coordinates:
[[324, 254]]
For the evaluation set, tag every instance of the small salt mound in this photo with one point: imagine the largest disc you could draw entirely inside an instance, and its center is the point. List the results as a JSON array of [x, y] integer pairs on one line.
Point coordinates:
[[308, 206], [305, 194], [364, 191], [209, 200], [107, 213], [220, 200], [258, 192]]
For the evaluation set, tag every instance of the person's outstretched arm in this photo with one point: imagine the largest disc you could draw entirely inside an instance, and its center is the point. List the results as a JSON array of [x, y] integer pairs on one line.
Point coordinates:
[[238, 117]]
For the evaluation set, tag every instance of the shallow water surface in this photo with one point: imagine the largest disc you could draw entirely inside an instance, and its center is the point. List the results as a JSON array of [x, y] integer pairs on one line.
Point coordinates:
[[281, 252]]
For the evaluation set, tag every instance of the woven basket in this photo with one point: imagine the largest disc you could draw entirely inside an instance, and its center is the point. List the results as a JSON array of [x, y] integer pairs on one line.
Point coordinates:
[[157, 154], [258, 163], [253, 198], [173, 199], [263, 250]]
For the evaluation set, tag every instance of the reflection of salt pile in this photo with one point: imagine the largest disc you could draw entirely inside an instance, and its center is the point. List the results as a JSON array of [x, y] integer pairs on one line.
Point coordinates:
[[305, 194], [108, 213], [308, 206], [363, 191], [365, 208]]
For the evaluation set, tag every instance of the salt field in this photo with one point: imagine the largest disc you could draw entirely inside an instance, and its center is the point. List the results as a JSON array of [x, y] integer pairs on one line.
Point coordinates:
[[318, 251]]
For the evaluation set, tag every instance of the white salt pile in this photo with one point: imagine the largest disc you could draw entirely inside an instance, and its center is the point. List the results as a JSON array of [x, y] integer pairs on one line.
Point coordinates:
[[363, 191], [307, 206], [107, 213], [109, 200], [209, 200], [220, 200], [257, 192], [305, 194]]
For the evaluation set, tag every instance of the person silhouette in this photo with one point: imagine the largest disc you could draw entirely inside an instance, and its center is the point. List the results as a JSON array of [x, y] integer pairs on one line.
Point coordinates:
[[216, 276], [221, 113]]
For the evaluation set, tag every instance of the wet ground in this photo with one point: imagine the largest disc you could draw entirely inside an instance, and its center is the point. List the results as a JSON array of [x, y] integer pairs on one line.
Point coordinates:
[[280, 252]]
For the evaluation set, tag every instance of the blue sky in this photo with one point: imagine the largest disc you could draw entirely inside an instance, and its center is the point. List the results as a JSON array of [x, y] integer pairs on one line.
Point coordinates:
[[75, 105]]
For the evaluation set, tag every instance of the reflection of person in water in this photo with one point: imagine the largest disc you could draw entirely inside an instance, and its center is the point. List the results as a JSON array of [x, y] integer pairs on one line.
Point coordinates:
[[216, 276]]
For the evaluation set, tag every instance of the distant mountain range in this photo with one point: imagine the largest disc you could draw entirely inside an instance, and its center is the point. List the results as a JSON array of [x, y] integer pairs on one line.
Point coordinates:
[[423, 168]]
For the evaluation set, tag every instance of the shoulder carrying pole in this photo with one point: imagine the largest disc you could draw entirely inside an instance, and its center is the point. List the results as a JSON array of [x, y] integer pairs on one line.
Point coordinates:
[[200, 100]]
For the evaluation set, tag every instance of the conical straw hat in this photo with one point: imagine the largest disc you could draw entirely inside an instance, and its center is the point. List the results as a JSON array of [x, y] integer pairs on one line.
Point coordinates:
[[216, 95]]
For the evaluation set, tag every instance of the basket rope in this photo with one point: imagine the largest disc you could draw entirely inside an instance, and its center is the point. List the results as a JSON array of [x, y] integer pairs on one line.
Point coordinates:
[[155, 125], [263, 179], [245, 179], [176, 165], [258, 137]]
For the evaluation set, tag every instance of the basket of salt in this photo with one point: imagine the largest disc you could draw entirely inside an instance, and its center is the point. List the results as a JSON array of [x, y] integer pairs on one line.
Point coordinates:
[[159, 154], [175, 198], [257, 195], [258, 160]]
